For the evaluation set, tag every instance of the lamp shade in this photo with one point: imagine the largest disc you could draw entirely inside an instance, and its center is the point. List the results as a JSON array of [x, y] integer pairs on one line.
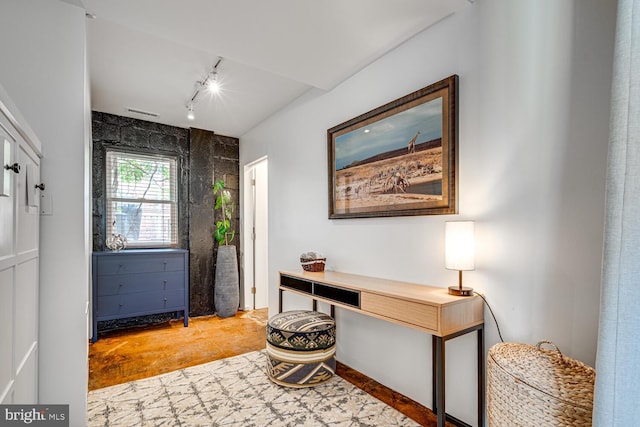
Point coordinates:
[[459, 252]]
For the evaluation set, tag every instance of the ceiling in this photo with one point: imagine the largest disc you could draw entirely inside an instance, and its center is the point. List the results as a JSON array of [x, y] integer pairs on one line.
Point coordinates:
[[148, 55]]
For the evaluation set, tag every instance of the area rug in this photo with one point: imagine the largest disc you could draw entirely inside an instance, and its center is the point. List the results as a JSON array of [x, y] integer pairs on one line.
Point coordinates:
[[236, 392]]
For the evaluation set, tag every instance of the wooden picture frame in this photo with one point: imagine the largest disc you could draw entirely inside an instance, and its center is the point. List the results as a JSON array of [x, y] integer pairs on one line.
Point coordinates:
[[399, 159]]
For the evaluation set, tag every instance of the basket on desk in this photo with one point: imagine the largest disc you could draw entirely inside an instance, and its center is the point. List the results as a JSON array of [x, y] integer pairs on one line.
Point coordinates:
[[531, 386], [313, 264]]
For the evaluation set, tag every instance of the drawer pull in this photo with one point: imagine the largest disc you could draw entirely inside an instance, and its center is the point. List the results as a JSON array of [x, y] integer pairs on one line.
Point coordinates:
[[164, 282]]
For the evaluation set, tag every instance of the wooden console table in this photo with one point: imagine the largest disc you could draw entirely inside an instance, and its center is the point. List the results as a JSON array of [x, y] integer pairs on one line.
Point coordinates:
[[426, 308]]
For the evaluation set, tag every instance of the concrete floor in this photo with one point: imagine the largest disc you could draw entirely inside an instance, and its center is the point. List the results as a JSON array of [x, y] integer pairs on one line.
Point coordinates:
[[135, 353]]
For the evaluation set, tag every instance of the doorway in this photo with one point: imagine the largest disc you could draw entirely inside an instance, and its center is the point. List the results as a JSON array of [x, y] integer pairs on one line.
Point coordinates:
[[255, 240]]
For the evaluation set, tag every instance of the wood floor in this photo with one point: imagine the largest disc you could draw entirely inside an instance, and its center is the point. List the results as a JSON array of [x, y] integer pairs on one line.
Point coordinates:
[[135, 353], [130, 354]]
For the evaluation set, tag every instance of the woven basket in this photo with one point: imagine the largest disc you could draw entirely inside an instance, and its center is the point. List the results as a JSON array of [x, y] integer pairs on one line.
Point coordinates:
[[531, 386], [313, 264]]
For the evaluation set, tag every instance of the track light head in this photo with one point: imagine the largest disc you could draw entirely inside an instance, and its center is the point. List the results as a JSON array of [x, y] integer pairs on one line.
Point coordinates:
[[190, 114], [212, 83]]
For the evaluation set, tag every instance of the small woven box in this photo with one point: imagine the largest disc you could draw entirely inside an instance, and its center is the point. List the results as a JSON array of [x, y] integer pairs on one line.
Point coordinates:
[[313, 264], [312, 261], [531, 386]]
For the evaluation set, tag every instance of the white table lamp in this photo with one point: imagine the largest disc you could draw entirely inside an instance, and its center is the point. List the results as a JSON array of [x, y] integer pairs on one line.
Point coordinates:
[[459, 253]]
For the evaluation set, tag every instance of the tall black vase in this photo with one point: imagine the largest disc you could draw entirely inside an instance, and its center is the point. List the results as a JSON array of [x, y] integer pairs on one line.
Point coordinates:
[[226, 290]]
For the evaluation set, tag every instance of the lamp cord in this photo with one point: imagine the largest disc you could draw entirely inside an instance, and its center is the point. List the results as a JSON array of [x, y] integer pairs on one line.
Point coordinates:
[[493, 315]]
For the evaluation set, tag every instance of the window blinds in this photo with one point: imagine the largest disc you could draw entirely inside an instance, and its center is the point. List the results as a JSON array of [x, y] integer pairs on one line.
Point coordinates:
[[141, 198]]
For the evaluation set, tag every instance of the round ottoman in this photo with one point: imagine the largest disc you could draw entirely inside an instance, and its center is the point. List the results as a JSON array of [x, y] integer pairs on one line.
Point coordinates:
[[301, 348]]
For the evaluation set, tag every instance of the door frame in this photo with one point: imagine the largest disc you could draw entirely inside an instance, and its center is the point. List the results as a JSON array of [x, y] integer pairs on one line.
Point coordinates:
[[250, 203]]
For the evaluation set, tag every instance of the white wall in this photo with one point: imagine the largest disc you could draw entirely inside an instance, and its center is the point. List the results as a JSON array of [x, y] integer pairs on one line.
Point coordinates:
[[42, 46], [534, 104]]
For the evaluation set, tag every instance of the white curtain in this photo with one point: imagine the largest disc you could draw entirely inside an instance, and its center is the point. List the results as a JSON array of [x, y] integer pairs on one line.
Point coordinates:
[[617, 393]]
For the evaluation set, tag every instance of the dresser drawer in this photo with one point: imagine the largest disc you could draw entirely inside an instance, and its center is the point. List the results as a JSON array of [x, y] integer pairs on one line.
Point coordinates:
[[132, 283], [422, 315], [139, 303], [130, 264]]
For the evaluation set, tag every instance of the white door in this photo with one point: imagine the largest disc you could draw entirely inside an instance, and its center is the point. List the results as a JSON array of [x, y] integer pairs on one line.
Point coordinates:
[[19, 261], [256, 236]]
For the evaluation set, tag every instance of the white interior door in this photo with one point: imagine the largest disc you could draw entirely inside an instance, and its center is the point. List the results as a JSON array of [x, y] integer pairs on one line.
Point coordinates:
[[27, 277], [256, 235], [7, 266], [19, 263]]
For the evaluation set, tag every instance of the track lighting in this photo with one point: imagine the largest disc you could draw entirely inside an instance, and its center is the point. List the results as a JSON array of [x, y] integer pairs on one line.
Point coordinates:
[[210, 82]]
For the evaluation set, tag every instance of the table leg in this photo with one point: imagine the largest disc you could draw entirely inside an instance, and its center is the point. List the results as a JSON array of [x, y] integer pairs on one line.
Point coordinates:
[[315, 305], [333, 311], [440, 377], [434, 404], [481, 379], [279, 300]]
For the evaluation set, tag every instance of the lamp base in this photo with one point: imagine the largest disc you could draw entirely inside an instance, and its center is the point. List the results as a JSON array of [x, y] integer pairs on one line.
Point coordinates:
[[460, 291]]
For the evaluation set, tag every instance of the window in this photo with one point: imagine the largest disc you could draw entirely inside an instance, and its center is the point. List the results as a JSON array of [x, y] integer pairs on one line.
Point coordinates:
[[141, 198]]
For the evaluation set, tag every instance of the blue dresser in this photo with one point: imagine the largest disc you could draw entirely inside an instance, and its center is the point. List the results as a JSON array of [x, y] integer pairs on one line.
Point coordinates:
[[139, 282]]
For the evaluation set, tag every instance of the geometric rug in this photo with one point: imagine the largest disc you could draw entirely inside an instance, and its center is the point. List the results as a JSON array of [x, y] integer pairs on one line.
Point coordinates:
[[236, 392]]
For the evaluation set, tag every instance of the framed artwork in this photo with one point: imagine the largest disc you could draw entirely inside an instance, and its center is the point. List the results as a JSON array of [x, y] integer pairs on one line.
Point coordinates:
[[399, 159]]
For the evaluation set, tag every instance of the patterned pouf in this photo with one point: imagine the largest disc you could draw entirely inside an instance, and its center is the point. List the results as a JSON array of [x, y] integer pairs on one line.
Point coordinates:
[[301, 348]]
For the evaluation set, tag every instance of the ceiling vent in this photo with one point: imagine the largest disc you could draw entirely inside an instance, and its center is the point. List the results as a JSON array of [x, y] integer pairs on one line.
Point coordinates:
[[144, 113]]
